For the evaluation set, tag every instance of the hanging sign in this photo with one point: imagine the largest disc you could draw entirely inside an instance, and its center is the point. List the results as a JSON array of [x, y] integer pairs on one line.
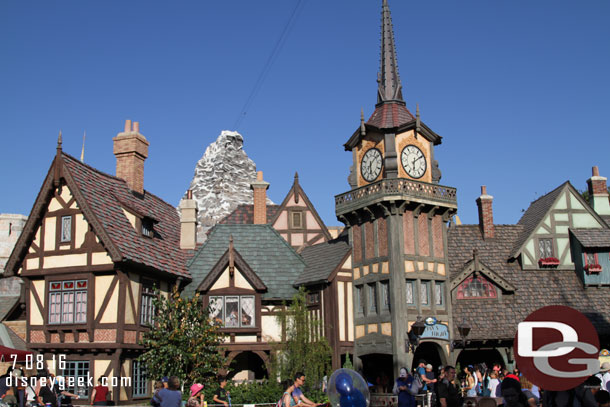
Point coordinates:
[[436, 331]]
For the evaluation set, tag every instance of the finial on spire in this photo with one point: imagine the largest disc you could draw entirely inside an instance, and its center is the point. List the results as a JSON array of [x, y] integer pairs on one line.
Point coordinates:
[[231, 259], [417, 120], [362, 126], [296, 177], [58, 172], [390, 87], [82, 152]]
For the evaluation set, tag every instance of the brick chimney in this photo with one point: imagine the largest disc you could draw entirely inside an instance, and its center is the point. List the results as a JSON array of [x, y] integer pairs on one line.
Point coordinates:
[[188, 222], [260, 199], [598, 193], [486, 215], [131, 149]]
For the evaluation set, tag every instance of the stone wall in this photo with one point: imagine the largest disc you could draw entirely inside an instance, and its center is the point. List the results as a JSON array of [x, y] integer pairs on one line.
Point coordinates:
[[11, 226]]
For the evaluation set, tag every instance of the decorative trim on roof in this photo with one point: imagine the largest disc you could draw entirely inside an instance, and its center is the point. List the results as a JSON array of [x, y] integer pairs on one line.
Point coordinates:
[[297, 190], [538, 209], [477, 266], [232, 255]]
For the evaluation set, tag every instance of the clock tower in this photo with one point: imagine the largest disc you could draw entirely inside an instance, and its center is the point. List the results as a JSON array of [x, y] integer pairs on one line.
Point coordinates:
[[397, 214]]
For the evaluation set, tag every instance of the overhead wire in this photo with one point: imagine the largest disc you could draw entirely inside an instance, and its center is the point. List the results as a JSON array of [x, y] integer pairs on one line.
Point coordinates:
[[269, 63]]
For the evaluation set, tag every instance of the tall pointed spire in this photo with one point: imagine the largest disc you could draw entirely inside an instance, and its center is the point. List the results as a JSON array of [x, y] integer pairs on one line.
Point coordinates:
[[390, 87]]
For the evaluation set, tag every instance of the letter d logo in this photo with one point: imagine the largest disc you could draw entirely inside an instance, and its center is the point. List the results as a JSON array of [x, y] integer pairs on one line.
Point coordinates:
[[525, 338], [556, 347]]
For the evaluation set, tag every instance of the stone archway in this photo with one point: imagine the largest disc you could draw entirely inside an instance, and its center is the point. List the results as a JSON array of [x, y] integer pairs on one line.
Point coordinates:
[[247, 365], [478, 356], [432, 353]]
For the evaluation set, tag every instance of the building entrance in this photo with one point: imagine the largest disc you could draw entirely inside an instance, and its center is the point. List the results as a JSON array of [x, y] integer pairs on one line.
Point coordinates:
[[377, 369], [430, 352]]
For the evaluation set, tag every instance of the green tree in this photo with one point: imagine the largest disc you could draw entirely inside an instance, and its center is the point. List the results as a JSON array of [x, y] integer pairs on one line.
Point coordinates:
[[183, 342], [348, 363], [305, 348]]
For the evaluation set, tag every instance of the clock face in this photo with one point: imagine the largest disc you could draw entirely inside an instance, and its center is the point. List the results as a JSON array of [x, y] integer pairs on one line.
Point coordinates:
[[371, 164], [413, 161]]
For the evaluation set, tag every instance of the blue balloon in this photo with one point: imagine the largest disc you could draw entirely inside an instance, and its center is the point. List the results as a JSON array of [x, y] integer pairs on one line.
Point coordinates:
[[347, 401], [344, 385], [358, 398]]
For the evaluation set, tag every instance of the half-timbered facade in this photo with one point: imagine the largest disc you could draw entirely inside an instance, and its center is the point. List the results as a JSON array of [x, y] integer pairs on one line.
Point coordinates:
[[245, 273], [557, 254], [297, 220], [92, 251], [323, 268], [396, 213], [328, 280]]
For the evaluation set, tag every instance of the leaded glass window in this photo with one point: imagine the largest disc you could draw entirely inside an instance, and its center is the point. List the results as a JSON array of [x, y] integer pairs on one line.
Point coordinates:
[[545, 248], [66, 228], [247, 311], [68, 302], [233, 311], [385, 292], [439, 294], [372, 299], [410, 292], [424, 292]]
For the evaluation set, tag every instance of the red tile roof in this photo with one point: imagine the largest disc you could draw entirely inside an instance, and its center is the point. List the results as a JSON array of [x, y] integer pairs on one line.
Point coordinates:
[[390, 115], [107, 195]]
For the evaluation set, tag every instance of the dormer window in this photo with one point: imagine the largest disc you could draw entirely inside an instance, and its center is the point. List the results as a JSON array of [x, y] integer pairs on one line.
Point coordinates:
[[476, 287], [147, 227]]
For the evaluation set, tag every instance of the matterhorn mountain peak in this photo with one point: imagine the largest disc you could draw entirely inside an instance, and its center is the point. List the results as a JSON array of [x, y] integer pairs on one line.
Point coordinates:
[[222, 180]]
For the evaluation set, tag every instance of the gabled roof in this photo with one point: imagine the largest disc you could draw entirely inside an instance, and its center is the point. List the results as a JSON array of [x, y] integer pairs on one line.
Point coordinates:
[[477, 266], [323, 260], [534, 215], [592, 238], [268, 255], [296, 190], [244, 214], [102, 198], [7, 305], [498, 318], [225, 261]]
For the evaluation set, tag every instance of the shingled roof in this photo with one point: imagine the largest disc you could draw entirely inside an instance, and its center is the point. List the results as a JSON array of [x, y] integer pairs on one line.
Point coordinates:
[[269, 256], [322, 260], [534, 215], [107, 195], [498, 318], [244, 214], [592, 237]]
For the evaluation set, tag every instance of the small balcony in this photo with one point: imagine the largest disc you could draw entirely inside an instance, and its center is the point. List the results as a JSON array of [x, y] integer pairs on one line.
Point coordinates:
[[395, 189]]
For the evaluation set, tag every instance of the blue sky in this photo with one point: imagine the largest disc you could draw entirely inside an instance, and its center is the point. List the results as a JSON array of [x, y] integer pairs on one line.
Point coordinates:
[[519, 90]]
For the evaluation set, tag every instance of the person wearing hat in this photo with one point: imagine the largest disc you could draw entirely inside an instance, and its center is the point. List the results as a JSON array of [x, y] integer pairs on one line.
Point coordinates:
[[406, 387], [604, 375], [429, 379], [196, 399]]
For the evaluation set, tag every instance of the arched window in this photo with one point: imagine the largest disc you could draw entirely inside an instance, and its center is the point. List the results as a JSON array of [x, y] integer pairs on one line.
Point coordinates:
[[476, 287]]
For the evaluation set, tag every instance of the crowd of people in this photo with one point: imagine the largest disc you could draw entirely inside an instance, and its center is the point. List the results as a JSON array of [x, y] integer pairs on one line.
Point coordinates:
[[452, 389]]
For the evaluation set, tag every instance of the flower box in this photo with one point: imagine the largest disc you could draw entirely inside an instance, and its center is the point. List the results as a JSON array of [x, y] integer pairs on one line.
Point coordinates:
[[593, 268], [548, 262]]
